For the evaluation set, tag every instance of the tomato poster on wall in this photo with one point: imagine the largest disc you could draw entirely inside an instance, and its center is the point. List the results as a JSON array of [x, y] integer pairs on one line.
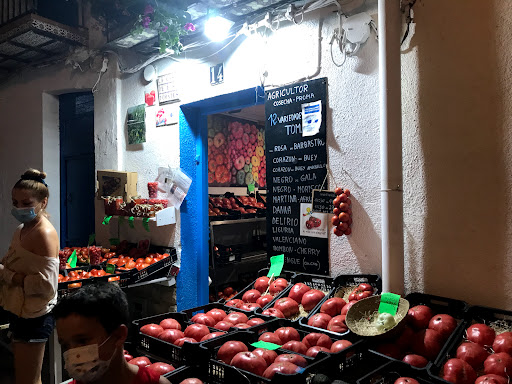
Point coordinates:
[[236, 152]]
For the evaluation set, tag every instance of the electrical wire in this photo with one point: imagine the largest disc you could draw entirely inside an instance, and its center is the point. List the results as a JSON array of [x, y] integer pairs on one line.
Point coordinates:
[[95, 87]]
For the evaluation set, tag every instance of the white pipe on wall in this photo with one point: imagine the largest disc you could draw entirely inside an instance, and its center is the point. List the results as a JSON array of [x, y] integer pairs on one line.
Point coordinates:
[[391, 146]]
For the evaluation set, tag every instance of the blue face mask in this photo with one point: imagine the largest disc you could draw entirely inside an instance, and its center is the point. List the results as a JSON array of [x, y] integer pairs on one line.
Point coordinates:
[[24, 215]]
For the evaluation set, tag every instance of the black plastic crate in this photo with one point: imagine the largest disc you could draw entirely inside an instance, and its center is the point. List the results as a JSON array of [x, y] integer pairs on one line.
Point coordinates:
[[476, 314], [201, 373], [440, 305], [390, 372], [161, 267], [65, 288], [189, 353], [224, 254], [288, 275], [341, 284], [221, 373]]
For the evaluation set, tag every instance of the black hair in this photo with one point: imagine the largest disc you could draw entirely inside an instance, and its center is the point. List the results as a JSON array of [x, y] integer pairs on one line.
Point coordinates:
[[105, 301]]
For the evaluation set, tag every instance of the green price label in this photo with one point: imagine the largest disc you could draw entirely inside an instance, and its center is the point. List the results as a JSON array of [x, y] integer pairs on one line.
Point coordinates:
[[145, 223], [250, 187], [72, 259], [389, 303], [106, 220], [276, 266], [114, 241], [130, 222], [110, 268], [265, 345], [91, 239]]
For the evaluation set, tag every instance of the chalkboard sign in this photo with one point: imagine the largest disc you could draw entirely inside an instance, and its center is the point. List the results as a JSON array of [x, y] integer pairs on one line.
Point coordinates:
[[323, 201], [296, 158]]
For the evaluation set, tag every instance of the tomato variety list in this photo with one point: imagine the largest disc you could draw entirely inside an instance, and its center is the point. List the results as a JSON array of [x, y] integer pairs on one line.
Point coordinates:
[[342, 219]]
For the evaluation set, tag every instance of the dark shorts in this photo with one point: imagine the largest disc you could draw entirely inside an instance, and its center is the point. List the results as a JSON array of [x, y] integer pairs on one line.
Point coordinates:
[[36, 330]]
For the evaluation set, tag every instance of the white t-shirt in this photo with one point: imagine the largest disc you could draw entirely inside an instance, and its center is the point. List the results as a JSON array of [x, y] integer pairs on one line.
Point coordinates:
[[38, 295]]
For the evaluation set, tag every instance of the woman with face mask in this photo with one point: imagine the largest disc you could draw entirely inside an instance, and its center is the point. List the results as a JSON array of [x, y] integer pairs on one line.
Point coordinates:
[[29, 276]]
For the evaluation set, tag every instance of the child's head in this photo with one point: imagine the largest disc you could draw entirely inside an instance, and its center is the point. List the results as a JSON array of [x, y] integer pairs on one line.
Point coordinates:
[[95, 314]]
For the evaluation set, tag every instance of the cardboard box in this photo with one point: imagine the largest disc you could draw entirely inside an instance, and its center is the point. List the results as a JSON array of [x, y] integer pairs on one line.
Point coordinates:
[[116, 183]]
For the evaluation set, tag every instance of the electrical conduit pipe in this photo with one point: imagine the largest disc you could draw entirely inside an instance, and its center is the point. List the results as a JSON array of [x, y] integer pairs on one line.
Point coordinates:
[[391, 146]]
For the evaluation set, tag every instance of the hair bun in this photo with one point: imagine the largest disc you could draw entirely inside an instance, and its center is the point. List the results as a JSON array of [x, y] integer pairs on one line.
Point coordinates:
[[33, 174]]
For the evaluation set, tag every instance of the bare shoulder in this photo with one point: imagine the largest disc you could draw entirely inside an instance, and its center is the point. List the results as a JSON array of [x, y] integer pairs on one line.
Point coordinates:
[[163, 380], [46, 240]]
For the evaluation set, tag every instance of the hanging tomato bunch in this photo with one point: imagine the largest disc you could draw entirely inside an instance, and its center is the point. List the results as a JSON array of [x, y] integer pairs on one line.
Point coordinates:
[[342, 219]]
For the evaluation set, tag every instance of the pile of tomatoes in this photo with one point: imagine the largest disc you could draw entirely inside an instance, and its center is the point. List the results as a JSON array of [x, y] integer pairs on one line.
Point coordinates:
[[143, 361], [483, 356], [263, 292], [126, 263], [342, 219], [83, 275], [267, 363]]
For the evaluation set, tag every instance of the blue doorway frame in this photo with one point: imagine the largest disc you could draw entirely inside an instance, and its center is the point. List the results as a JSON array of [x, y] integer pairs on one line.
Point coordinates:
[[192, 283]]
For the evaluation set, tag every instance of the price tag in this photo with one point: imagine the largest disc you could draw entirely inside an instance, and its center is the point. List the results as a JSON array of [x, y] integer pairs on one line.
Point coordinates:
[[130, 222], [110, 268], [91, 239], [72, 259], [114, 241], [276, 265], [389, 303], [145, 223], [265, 345], [106, 220], [250, 187]]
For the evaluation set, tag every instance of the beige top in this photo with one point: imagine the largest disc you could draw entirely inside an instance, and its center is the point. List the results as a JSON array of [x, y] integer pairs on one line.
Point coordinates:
[[38, 295]]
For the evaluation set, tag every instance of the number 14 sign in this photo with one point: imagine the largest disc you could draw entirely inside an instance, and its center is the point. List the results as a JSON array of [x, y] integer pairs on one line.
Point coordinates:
[[217, 74]]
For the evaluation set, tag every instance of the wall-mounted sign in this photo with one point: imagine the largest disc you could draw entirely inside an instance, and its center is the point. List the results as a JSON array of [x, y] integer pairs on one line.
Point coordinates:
[[167, 89], [296, 165], [217, 74], [167, 115], [323, 201]]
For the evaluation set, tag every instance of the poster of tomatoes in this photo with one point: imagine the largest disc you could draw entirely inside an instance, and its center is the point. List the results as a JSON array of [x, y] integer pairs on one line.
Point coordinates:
[[236, 152]]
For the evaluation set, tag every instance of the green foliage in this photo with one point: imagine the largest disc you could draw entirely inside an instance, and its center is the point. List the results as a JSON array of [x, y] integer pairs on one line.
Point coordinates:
[[169, 18]]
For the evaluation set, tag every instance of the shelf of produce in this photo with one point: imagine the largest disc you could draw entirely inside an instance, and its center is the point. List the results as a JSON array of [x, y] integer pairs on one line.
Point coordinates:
[[166, 216]]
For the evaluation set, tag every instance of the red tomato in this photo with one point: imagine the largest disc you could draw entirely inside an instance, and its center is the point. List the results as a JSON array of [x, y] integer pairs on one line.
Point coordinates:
[[212, 335], [264, 300], [457, 371], [491, 379], [427, 343], [295, 346], [148, 260], [251, 296], [292, 358], [333, 306], [261, 284], [415, 360], [273, 312], [319, 320], [182, 341], [223, 325], [297, 291], [419, 316], [161, 368], [250, 306], [311, 298], [316, 338], [406, 380], [203, 318], [481, 334], [74, 285], [287, 334], [268, 355], [270, 337], [287, 306], [140, 361], [229, 349], [196, 331], [503, 343], [444, 324], [313, 351], [171, 335], [249, 361], [237, 303], [236, 318], [337, 324], [498, 364], [139, 260], [151, 329], [340, 345], [217, 313], [284, 367], [255, 321], [472, 353]]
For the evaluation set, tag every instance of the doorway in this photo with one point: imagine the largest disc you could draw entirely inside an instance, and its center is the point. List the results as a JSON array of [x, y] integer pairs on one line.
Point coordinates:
[[77, 180], [192, 284]]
